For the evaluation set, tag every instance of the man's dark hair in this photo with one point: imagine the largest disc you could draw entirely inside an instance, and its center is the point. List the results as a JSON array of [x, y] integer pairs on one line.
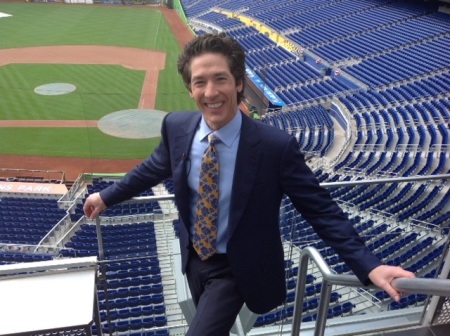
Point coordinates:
[[214, 43]]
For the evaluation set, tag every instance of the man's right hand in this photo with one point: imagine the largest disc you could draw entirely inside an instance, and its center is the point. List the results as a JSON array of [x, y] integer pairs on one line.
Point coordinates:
[[93, 206]]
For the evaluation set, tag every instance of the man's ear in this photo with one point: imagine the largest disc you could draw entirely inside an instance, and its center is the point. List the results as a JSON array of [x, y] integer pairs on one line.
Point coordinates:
[[240, 87]]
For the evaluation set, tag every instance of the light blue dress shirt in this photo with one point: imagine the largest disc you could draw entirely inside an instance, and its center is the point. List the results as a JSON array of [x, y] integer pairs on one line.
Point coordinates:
[[226, 149]]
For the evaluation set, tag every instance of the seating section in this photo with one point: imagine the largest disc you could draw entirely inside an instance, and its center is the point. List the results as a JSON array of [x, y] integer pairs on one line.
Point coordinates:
[[352, 19], [133, 296], [220, 20], [402, 64], [385, 64], [313, 127], [13, 257], [123, 209], [392, 36], [119, 240], [415, 251], [407, 138], [27, 220]]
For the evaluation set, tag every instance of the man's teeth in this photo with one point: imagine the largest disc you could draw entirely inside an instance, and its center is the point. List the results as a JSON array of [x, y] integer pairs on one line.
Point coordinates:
[[215, 105]]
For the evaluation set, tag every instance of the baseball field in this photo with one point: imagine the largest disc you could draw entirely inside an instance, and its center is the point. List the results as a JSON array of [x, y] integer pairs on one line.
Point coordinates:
[[83, 88]]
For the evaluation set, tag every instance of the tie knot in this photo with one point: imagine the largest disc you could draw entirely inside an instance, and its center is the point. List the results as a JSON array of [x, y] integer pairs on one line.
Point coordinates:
[[212, 138]]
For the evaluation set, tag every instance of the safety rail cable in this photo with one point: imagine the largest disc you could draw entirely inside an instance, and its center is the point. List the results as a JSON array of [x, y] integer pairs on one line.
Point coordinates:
[[439, 287]]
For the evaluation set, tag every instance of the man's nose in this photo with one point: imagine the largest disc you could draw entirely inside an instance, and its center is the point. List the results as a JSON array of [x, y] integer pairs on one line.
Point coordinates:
[[211, 90]]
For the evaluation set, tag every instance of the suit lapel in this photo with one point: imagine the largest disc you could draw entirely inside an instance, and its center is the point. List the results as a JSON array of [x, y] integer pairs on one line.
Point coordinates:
[[181, 149], [247, 159]]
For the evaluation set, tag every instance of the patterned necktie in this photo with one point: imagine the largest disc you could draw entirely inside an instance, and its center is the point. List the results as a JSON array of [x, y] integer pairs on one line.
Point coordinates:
[[205, 227]]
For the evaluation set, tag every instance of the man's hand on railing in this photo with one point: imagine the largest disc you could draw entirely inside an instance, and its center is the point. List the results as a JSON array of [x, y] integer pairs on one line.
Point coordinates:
[[383, 275], [93, 206]]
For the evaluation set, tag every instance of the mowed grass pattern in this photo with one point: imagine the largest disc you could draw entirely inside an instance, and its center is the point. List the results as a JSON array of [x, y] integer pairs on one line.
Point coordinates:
[[78, 142], [49, 24], [101, 89]]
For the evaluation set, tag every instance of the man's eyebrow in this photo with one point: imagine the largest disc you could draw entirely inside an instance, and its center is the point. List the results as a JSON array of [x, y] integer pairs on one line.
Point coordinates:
[[216, 74], [222, 73]]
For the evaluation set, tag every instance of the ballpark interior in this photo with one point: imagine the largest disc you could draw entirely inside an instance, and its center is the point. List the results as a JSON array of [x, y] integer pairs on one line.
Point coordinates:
[[365, 88]]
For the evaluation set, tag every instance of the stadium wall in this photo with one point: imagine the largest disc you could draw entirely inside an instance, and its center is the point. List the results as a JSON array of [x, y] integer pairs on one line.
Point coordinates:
[[336, 113], [255, 98], [178, 7]]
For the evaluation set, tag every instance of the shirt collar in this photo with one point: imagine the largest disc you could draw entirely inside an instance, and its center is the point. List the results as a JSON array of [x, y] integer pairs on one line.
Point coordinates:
[[226, 134]]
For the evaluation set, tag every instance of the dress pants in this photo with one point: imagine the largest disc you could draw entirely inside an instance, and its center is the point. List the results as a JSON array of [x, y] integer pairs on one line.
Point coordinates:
[[215, 295]]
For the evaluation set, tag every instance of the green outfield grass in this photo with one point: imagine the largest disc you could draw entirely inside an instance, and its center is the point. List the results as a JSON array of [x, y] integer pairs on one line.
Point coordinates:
[[48, 24], [78, 142], [100, 89]]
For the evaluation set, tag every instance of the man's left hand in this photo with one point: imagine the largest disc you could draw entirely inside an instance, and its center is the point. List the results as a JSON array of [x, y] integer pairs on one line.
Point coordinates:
[[383, 275]]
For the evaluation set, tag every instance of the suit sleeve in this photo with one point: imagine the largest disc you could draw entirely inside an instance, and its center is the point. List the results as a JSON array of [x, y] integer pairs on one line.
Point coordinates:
[[325, 216], [153, 170]]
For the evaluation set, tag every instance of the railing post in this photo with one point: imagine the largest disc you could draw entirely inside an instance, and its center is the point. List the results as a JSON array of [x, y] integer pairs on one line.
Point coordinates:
[[102, 276], [322, 312], [299, 294], [439, 287], [101, 255], [300, 291]]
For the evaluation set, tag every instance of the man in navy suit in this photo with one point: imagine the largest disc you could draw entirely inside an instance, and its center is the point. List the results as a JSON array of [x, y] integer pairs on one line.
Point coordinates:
[[258, 165]]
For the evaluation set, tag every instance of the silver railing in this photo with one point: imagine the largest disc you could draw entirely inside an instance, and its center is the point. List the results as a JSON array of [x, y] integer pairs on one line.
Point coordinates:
[[385, 180], [439, 287]]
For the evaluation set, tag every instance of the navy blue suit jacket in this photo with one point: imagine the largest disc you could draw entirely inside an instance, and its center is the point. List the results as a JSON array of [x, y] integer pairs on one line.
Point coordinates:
[[268, 165]]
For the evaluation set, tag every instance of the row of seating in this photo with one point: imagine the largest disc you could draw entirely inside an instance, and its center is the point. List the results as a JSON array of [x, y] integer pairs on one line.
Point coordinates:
[[151, 310], [136, 324], [410, 300], [388, 37], [27, 220], [309, 310], [132, 292], [402, 64], [366, 19], [125, 282], [12, 258], [220, 20]]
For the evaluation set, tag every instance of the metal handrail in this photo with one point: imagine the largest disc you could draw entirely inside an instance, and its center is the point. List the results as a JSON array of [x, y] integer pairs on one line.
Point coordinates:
[[324, 184], [439, 287], [386, 180]]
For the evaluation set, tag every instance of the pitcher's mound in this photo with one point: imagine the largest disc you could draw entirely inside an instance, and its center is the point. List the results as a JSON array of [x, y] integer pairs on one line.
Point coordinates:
[[55, 89], [132, 124]]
